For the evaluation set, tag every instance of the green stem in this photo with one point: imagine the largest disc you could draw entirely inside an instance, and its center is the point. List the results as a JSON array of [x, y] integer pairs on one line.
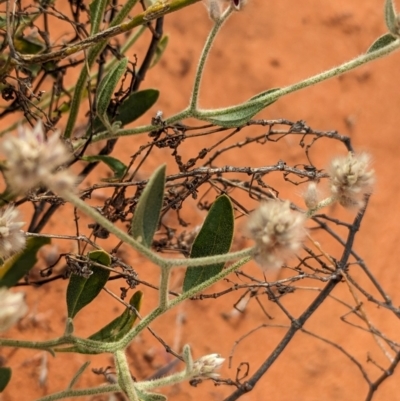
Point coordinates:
[[42, 345], [132, 131], [324, 203], [124, 375], [144, 323], [163, 291], [164, 381], [333, 72], [112, 388], [150, 255], [203, 59]]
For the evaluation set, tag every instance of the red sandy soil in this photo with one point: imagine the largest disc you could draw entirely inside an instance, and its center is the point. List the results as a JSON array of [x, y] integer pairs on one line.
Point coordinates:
[[269, 44]]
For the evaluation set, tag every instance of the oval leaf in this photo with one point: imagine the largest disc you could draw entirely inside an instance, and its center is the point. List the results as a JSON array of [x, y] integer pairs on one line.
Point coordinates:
[[147, 212], [136, 104], [390, 17], [162, 45], [381, 42], [116, 329], [214, 238], [133, 107], [115, 165], [81, 291], [16, 267], [108, 85], [5, 376], [233, 117]]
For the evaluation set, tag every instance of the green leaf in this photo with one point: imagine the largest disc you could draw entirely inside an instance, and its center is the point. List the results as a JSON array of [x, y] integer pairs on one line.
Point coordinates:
[[136, 104], [147, 213], [133, 107], [116, 166], [116, 329], [108, 85], [28, 45], [390, 18], [5, 376], [382, 41], [214, 238], [96, 8], [234, 117], [16, 267], [162, 45], [81, 291]]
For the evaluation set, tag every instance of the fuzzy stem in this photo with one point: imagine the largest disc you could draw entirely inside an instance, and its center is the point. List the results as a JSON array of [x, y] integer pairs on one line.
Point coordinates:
[[203, 59], [163, 291], [124, 376], [124, 342], [113, 388], [150, 255], [324, 203]]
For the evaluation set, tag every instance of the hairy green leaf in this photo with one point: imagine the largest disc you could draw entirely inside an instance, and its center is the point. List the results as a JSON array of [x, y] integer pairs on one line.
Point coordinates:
[[133, 107], [116, 166], [97, 9], [108, 85], [147, 213], [381, 42], [136, 104], [391, 18], [5, 376], [117, 328], [214, 238], [81, 291], [234, 117], [162, 45], [16, 267]]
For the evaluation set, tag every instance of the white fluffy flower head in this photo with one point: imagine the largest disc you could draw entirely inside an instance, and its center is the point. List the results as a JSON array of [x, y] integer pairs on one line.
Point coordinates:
[[12, 308], [277, 231], [32, 161], [12, 239], [206, 366], [351, 178]]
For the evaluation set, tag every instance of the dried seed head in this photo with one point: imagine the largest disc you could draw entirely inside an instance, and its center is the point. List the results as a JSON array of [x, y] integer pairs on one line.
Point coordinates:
[[32, 161], [351, 178], [277, 231], [206, 366], [12, 308], [12, 239]]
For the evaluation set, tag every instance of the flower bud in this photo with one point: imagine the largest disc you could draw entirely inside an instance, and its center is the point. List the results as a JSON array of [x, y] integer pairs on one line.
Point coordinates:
[[206, 366], [12, 308], [12, 239]]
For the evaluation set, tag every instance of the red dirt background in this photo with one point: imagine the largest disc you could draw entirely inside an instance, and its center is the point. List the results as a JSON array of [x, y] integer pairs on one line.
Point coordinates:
[[269, 44]]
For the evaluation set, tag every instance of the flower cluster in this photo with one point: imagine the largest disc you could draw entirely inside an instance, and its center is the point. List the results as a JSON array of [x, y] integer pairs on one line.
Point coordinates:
[[12, 239], [12, 308], [206, 366], [277, 231], [33, 161], [351, 178]]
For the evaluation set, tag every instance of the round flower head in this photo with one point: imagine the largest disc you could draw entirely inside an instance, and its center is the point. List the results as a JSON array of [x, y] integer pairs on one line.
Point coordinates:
[[277, 231], [32, 161], [12, 308], [12, 239], [206, 366], [351, 178]]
